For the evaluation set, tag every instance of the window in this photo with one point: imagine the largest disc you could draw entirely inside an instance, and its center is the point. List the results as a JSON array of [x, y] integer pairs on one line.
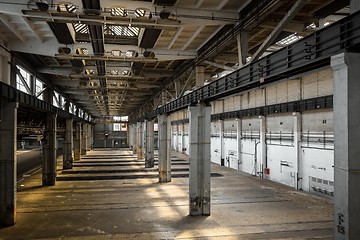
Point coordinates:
[[116, 127], [290, 39], [56, 99], [23, 81], [120, 126], [39, 88], [71, 108], [121, 118]]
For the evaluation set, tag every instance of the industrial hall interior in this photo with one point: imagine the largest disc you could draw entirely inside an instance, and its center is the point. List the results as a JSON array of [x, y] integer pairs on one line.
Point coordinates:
[[179, 119]]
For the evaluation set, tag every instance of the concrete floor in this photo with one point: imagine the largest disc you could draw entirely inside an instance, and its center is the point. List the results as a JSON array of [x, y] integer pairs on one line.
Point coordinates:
[[110, 195]]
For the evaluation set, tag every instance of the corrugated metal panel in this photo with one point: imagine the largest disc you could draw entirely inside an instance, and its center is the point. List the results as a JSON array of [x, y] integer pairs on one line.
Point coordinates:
[[149, 38], [61, 32], [165, 2]]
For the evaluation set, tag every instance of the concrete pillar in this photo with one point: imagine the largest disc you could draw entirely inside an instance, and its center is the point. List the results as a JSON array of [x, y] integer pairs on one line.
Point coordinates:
[[175, 138], [84, 139], [77, 142], [13, 71], [5, 58], [134, 133], [182, 138], [49, 161], [243, 43], [164, 157], [238, 140], [149, 149], [89, 137], [67, 154], [222, 147], [297, 146], [200, 76], [354, 6], [129, 135], [347, 136], [200, 171], [262, 148], [8, 123], [140, 148], [164, 98]]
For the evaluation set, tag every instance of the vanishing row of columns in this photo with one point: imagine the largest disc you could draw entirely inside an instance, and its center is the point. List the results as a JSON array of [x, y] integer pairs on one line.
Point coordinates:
[[8, 159], [141, 140], [346, 165]]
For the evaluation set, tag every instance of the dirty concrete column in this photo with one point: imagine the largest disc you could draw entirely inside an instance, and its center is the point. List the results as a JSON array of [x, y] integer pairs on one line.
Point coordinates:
[[49, 161], [67, 154], [242, 43], [77, 142], [164, 157], [297, 147], [182, 137], [8, 126], [128, 135], [174, 137], [149, 151], [140, 149], [84, 139], [134, 133], [347, 137], [89, 137], [200, 76], [222, 147], [199, 179], [238, 140], [262, 148]]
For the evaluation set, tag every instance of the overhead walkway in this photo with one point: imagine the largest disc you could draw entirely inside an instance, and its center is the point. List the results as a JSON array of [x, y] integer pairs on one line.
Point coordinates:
[[110, 195]]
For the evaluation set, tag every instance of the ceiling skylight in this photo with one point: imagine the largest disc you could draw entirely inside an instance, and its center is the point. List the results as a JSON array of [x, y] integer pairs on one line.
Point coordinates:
[[289, 39]]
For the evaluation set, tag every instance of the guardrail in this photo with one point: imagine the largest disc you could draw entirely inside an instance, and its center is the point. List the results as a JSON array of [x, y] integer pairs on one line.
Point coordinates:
[[306, 54], [27, 100]]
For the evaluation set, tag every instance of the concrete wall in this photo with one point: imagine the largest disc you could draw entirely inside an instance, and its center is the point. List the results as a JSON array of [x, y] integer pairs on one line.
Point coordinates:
[[315, 153]]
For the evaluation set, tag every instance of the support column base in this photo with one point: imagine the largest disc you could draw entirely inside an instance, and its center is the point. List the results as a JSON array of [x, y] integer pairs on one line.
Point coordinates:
[[149, 163], [164, 177], [67, 165], [8, 218], [49, 179], [140, 154], [199, 206]]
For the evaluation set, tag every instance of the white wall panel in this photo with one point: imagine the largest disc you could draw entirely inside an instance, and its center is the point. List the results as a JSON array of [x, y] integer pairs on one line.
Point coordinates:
[[310, 86], [317, 121], [282, 92], [319, 164], [247, 156], [215, 151], [260, 97], [325, 79], [271, 94], [277, 123], [230, 149], [294, 90], [281, 162]]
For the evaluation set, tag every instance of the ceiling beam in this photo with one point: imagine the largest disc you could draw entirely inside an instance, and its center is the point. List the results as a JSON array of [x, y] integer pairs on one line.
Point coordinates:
[[193, 36], [219, 65], [222, 4], [12, 28], [173, 40], [278, 29], [185, 17], [51, 49], [33, 30]]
